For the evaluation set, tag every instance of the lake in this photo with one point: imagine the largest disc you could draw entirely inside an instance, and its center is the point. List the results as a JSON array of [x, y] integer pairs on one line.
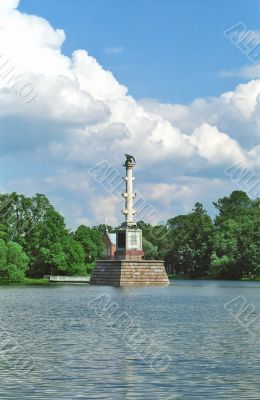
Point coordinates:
[[74, 342]]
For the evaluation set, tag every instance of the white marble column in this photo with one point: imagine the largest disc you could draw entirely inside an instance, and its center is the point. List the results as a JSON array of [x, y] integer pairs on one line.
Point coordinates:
[[129, 195]]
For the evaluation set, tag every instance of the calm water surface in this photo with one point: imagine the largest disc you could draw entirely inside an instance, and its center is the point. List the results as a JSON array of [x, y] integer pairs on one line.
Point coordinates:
[[77, 355]]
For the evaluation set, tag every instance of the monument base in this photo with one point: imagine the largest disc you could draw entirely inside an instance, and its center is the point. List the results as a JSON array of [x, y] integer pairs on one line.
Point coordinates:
[[129, 255], [129, 273]]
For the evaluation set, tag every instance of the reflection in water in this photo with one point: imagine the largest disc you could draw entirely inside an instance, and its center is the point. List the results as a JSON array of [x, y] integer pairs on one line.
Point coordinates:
[[78, 356]]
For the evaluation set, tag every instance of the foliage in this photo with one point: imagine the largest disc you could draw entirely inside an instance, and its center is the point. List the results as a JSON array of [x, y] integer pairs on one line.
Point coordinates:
[[237, 237], [92, 242], [229, 249], [192, 240], [156, 236], [34, 240], [150, 251], [36, 226], [13, 262]]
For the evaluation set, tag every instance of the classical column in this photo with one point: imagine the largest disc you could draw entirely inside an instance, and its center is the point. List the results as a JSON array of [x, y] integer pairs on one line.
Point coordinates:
[[128, 268], [129, 194]]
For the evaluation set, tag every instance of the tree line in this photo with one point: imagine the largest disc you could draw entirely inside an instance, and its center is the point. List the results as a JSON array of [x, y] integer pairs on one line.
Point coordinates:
[[34, 240], [194, 245]]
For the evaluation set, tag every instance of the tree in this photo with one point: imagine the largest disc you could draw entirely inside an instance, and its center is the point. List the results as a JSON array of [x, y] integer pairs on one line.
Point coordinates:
[[91, 240], [237, 237], [13, 262], [192, 241], [46, 243], [103, 227], [41, 231], [19, 214], [32, 230], [3, 256], [157, 236], [234, 206], [75, 258], [150, 251]]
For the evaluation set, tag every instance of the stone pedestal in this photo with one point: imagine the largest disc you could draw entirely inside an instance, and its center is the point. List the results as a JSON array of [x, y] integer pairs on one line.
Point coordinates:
[[129, 244], [129, 273]]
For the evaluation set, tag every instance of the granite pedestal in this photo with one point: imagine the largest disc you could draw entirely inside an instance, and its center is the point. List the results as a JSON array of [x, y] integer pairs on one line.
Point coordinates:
[[129, 273]]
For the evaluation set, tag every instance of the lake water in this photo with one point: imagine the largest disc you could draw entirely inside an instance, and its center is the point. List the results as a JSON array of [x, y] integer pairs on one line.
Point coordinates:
[[58, 342]]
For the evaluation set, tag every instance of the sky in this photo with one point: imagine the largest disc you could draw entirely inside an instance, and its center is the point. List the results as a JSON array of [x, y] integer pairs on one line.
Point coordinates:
[[168, 81], [169, 50]]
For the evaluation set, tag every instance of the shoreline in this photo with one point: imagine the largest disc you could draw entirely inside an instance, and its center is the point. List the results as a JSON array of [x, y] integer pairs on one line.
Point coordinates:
[[27, 282], [44, 281], [205, 278]]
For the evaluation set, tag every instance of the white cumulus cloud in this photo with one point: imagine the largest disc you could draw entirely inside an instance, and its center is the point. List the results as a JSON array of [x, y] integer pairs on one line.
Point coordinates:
[[83, 115], [9, 4]]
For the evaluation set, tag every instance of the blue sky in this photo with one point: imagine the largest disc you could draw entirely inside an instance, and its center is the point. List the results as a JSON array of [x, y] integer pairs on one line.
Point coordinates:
[[157, 79], [172, 50]]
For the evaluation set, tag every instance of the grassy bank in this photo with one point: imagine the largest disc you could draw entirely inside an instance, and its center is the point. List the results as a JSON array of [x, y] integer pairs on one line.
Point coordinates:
[[183, 277], [43, 281], [26, 282], [255, 278], [178, 277]]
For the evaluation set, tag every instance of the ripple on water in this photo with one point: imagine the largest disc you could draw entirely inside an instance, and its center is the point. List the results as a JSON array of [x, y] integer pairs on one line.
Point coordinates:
[[76, 354]]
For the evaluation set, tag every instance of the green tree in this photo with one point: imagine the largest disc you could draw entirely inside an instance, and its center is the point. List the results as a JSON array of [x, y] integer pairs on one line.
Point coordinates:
[[91, 240], [103, 227], [19, 214], [75, 258], [192, 241], [157, 235], [41, 231], [46, 243], [234, 206], [237, 237], [3, 256], [150, 251], [13, 262]]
